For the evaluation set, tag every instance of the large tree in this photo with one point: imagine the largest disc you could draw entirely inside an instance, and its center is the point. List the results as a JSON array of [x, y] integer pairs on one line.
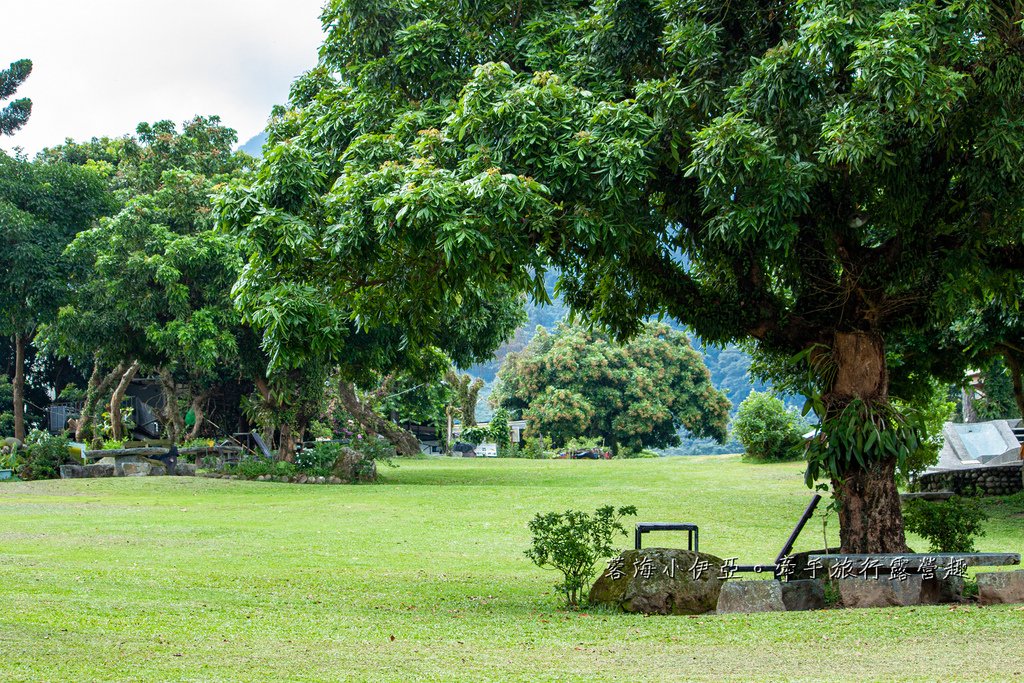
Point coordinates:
[[809, 174], [636, 394], [152, 290], [42, 207], [16, 113]]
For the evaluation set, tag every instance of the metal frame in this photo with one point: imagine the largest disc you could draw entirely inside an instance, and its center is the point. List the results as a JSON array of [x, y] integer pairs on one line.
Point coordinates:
[[693, 533]]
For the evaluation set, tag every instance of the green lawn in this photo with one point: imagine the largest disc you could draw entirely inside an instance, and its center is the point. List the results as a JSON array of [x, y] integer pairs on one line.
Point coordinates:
[[423, 577]]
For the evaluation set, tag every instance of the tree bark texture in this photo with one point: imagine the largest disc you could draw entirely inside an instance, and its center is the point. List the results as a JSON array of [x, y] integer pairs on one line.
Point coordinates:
[[404, 441], [174, 423], [198, 403], [18, 389], [99, 385], [116, 425], [870, 516]]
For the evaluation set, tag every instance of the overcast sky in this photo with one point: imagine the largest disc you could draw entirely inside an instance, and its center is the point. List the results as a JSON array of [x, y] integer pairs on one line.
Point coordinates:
[[102, 66]]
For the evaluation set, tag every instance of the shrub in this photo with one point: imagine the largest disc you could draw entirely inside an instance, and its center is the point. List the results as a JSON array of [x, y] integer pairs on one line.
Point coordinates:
[[257, 465], [43, 455], [319, 460], [949, 526], [767, 429], [537, 447], [376, 450], [474, 435], [572, 542]]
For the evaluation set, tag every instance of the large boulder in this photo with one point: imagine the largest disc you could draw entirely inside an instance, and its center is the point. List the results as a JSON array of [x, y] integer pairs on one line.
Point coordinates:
[[881, 592], [352, 466], [660, 581], [996, 588], [751, 596]]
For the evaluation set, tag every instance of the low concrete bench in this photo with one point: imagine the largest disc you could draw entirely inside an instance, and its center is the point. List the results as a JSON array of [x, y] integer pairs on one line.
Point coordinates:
[[911, 563]]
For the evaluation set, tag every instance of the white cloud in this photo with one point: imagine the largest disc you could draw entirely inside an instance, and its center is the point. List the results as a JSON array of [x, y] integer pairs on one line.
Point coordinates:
[[101, 67]]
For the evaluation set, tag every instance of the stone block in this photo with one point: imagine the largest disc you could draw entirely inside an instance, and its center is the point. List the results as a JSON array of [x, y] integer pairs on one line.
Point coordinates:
[[185, 469], [136, 469], [750, 596], [881, 592], [804, 594], [938, 590], [99, 470], [996, 588], [72, 471]]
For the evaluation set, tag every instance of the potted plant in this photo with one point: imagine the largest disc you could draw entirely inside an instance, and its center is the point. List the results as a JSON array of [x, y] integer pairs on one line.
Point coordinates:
[[8, 457]]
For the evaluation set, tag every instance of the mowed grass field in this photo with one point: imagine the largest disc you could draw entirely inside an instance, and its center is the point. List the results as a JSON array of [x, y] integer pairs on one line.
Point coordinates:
[[423, 577]]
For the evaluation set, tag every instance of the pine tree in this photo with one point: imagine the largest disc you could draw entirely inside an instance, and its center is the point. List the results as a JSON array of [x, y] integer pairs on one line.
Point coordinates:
[[15, 114]]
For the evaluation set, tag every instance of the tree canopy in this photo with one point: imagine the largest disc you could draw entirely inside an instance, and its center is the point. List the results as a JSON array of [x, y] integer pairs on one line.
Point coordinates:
[[819, 176], [635, 395]]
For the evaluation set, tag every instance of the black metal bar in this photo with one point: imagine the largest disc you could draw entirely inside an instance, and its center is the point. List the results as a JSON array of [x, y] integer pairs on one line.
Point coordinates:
[[799, 527], [692, 542]]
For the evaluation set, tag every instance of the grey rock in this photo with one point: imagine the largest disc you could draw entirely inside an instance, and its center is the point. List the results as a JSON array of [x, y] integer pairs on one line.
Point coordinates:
[[281, 479], [135, 469], [99, 470], [72, 471], [660, 581], [157, 471], [996, 588], [321, 480], [750, 596], [804, 594], [185, 469], [881, 592], [335, 480], [352, 465], [301, 479]]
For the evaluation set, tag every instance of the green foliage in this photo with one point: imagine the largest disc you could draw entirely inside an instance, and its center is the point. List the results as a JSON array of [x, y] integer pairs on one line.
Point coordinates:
[[929, 413], [319, 460], [572, 542], [474, 435], [16, 113], [949, 526], [42, 456], [635, 394], [9, 456], [998, 402], [252, 466], [537, 447], [767, 429], [498, 431], [862, 433], [375, 449]]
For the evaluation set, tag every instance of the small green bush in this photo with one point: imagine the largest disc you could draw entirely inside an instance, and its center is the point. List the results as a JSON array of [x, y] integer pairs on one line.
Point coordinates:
[[258, 465], [572, 541], [319, 460], [376, 450], [43, 455], [949, 526], [767, 429]]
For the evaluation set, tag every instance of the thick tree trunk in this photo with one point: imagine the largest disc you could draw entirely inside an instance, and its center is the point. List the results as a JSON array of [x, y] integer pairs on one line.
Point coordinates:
[[99, 385], [198, 402], [268, 427], [116, 426], [870, 518], [286, 451], [403, 440], [174, 423], [18, 389]]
